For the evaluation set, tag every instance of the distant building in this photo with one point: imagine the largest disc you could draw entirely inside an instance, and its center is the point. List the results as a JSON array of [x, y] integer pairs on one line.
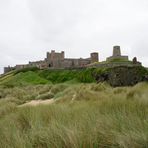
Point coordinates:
[[8, 69], [57, 60], [117, 54], [21, 66]]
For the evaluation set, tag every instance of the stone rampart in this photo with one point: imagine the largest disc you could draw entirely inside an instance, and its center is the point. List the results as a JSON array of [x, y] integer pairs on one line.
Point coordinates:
[[112, 65]]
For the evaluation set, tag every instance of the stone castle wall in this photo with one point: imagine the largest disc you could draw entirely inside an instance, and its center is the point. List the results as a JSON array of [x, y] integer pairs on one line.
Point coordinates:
[[112, 65], [57, 60]]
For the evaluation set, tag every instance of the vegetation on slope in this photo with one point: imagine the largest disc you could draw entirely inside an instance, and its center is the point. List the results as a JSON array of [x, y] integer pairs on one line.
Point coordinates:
[[34, 76], [118, 60], [60, 76], [111, 61], [21, 79], [84, 115]]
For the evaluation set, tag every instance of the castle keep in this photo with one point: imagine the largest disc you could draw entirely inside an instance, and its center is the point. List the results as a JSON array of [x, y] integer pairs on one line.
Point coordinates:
[[58, 60]]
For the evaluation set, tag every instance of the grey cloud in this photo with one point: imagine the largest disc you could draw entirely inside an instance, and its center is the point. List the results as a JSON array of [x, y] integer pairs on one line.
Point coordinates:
[[29, 28]]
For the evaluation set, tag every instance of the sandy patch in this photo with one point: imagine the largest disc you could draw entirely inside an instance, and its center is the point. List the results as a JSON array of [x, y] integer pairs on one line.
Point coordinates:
[[38, 102]]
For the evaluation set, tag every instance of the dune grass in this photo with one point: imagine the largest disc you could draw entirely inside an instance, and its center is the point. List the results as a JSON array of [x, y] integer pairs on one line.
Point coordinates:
[[84, 115]]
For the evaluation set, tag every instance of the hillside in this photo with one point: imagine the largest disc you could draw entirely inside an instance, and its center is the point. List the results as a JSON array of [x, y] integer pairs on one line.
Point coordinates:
[[116, 76], [77, 112], [35, 76]]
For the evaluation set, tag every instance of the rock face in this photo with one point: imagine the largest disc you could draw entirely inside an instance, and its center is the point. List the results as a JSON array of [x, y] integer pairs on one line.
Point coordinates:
[[123, 76]]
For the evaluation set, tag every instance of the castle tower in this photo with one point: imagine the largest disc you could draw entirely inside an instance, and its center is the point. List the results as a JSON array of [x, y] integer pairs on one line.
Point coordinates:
[[52, 55], [117, 55], [116, 51], [94, 57], [62, 55]]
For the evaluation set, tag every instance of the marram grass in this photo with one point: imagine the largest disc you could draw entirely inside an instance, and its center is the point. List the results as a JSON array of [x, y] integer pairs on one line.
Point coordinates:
[[84, 116]]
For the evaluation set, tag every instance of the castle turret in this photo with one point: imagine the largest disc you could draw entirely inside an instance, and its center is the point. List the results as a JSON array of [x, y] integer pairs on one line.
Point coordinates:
[[94, 57], [116, 51], [117, 55]]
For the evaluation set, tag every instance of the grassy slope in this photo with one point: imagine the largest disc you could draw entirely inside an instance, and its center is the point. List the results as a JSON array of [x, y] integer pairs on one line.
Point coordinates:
[[34, 76], [26, 77], [21, 78], [85, 115]]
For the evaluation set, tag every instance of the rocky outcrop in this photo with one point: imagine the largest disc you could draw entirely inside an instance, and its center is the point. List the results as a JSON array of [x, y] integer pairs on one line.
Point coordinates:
[[123, 76]]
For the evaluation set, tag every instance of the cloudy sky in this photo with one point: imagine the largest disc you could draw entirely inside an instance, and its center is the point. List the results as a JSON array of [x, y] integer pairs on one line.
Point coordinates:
[[30, 28]]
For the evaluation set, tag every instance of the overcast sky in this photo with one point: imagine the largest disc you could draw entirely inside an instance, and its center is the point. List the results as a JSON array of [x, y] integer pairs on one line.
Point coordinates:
[[30, 28]]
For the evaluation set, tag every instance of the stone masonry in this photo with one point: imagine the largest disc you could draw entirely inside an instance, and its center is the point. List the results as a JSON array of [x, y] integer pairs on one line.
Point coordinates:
[[117, 54], [57, 60]]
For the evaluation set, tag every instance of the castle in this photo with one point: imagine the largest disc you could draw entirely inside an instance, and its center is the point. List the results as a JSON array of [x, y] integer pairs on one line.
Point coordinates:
[[55, 60]]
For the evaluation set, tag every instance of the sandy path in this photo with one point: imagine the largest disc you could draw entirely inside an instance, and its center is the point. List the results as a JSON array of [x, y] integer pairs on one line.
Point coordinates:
[[38, 102]]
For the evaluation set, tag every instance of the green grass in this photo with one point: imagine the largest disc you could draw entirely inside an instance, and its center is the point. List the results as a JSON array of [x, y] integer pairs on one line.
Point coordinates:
[[27, 76], [112, 61], [119, 60], [34, 76], [84, 115], [60, 76], [21, 79]]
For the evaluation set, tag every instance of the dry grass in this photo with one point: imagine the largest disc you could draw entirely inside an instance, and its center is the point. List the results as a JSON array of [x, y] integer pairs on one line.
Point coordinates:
[[85, 115]]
